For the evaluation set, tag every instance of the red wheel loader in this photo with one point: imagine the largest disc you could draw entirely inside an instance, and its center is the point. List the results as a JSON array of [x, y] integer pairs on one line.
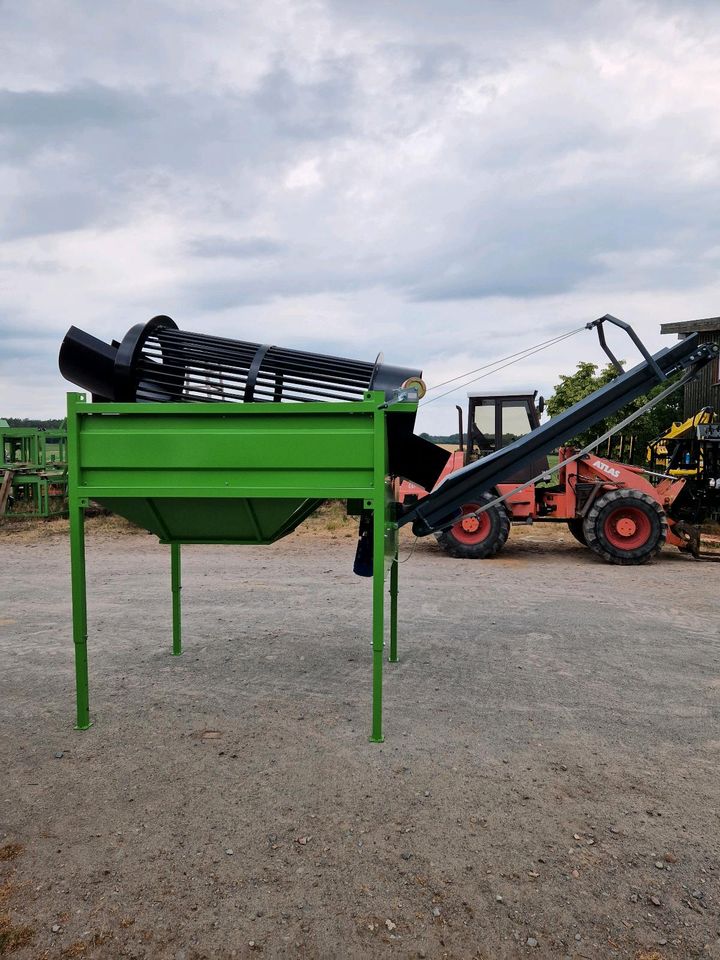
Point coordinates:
[[610, 507]]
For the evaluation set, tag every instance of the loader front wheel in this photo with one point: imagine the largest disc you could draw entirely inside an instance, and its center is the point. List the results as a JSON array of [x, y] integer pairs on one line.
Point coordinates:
[[626, 527], [575, 526], [476, 537]]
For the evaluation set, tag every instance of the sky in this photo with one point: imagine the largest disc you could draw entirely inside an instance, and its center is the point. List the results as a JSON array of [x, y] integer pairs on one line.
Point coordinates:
[[448, 183]]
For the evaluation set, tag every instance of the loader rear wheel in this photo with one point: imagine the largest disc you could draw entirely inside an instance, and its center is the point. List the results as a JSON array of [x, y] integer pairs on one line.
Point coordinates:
[[575, 526], [626, 527], [476, 538]]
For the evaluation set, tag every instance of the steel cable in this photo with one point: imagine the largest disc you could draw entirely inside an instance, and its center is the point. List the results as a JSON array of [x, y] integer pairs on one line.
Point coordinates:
[[497, 365]]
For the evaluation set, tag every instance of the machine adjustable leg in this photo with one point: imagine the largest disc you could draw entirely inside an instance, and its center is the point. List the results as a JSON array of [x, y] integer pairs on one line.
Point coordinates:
[[79, 615], [393, 658], [378, 627], [176, 586]]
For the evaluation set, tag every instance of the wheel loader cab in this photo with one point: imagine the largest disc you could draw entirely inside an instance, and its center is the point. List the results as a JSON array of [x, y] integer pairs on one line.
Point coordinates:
[[498, 419]]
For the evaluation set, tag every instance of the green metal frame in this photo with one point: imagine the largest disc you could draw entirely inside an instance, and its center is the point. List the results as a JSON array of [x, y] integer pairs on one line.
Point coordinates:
[[38, 461], [30, 447], [22, 446], [235, 474]]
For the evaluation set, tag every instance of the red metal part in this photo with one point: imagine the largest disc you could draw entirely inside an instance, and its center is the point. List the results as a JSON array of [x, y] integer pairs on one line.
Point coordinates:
[[626, 529], [520, 505], [615, 475], [471, 529]]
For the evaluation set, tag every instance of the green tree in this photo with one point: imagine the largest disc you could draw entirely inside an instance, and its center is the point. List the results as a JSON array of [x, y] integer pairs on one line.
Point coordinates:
[[586, 379]]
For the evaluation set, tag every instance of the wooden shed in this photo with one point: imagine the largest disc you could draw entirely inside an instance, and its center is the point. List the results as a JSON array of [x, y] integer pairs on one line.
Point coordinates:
[[705, 391]]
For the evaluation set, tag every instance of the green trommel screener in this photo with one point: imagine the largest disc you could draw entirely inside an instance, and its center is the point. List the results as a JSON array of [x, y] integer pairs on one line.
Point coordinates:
[[202, 439]]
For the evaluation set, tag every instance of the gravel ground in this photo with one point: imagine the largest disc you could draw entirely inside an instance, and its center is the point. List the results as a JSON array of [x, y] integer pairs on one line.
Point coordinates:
[[549, 785]]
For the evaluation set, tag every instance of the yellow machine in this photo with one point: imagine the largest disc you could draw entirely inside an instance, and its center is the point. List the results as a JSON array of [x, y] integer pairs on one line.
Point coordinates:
[[660, 455]]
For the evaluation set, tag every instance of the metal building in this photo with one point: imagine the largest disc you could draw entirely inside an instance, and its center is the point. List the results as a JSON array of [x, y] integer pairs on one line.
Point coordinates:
[[705, 390]]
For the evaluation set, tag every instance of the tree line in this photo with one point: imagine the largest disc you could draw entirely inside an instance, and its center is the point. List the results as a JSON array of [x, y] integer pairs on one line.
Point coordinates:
[[30, 422]]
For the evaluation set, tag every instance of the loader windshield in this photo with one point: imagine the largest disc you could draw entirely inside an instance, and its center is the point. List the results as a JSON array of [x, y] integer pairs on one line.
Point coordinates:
[[515, 420], [499, 419]]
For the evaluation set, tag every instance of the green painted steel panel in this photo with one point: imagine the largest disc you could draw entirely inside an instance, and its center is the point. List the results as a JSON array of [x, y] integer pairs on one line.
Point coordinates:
[[222, 482], [233, 444], [285, 451], [226, 473], [240, 520]]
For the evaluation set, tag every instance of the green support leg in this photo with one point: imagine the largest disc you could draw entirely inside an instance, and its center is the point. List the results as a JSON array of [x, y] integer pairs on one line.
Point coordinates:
[[393, 658], [176, 588], [378, 628], [79, 615]]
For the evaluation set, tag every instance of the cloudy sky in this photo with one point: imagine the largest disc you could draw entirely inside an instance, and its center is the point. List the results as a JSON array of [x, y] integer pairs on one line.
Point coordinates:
[[446, 182]]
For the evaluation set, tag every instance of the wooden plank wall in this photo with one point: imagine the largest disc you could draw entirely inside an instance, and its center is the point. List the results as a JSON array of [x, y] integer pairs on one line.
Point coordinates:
[[705, 391]]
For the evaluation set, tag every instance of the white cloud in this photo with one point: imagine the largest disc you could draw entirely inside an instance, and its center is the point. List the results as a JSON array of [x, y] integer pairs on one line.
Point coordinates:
[[446, 183], [304, 175]]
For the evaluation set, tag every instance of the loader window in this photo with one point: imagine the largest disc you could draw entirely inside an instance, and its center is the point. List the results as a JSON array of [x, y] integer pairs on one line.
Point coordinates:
[[485, 419], [485, 422], [515, 420]]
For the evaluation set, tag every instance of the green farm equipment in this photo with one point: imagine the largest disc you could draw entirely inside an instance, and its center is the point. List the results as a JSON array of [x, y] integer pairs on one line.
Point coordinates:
[[33, 472], [198, 468], [203, 439]]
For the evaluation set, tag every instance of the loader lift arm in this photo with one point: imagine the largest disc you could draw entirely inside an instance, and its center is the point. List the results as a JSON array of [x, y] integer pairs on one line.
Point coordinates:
[[442, 506]]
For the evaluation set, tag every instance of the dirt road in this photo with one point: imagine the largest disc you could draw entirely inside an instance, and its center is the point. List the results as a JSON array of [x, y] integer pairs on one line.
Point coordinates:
[[549, 785]]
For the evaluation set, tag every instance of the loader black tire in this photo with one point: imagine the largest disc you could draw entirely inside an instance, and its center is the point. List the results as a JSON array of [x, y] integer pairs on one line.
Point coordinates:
[[626, 527], [487, 539], [575, 526]]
